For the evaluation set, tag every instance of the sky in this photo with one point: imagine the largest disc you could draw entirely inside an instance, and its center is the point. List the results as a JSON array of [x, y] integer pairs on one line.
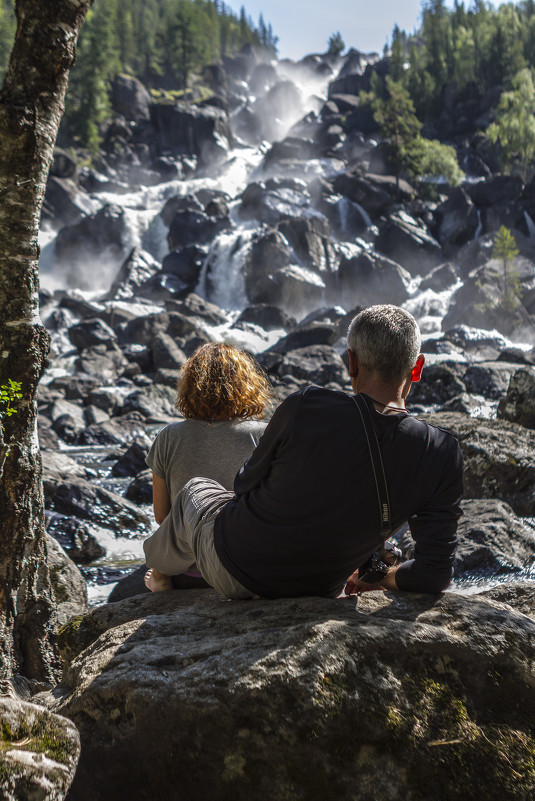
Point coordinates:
[[304, 26]]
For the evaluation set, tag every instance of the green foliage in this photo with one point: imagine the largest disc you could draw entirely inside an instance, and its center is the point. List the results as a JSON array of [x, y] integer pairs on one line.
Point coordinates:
[[9, 393], [514, 128], [436, 160], [393, 111], [506, 250], [161, 42], [336, 44]]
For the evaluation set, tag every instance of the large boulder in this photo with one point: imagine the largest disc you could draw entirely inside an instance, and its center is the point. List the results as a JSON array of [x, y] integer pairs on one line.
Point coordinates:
[[39, 752], [375, 193], [457, 220], [181, 129], [137, 268], [493, 541], [400, 695], [87, 501], [314, 364], [409, 243], [499, 458], [68, 585], [367, 279], [518, 405], [96, 238], [129, 98]]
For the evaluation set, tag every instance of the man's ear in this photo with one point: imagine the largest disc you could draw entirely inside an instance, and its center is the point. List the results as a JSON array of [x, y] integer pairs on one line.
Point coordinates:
[[353, 364], [416, 373]]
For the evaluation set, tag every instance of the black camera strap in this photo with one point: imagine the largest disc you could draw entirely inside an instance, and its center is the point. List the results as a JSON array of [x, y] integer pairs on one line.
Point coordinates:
[[377, 464]]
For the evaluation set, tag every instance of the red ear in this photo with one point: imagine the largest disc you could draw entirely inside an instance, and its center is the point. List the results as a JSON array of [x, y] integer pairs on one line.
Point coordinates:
[[416, 372]]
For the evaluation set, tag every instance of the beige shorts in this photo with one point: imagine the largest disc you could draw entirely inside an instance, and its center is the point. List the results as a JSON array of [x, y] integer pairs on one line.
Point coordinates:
[[186, 538]]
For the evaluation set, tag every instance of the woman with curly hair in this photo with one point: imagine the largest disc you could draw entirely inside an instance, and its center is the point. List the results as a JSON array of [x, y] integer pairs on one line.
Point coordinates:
[[222, 393]]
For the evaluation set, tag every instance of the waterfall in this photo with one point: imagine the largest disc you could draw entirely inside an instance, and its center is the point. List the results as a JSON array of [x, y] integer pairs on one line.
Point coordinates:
[[530, 226], [479, 225]]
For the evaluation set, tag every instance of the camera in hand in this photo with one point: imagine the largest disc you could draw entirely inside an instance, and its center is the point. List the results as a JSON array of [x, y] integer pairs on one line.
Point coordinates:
[[377, 566]]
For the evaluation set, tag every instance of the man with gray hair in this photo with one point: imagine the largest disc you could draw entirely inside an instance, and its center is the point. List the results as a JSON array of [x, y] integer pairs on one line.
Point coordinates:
[[332, 476]]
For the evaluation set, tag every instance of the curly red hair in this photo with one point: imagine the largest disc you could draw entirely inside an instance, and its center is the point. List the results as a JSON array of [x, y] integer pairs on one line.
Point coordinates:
[[221, 382]]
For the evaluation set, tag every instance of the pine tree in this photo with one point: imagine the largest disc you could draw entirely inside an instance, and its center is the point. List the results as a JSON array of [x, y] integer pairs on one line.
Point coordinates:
[[506, 250]]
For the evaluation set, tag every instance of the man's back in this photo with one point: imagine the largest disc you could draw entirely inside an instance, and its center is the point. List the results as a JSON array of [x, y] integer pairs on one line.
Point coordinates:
[[306, 513]]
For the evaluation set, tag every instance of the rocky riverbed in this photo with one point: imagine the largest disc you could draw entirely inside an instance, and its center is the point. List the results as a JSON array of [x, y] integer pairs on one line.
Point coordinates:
[[267, 217]]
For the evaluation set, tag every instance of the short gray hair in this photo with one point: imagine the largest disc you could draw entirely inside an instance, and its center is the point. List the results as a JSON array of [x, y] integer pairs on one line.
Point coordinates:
[[386, 340]]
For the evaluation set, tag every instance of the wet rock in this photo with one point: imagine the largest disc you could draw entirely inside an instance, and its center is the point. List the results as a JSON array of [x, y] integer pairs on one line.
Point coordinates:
[[291, 148], [68, 585], [457, 220], [474, 340], [309, 237], [498, 458], [375, 193], [129, 98], [305, 337], [440, 278], [269, 252], [287, 668], [142, 330], [183, 129], [58, 466], [63, 164], [96, 238], [518, 405], [166, 353], [270, 318], [280, 103], [366, 280], [140, 489], [409, 242], [90, 502], [39, 754], [498, 189], [91, 332], [439, 383], [59, 206], [105, 361], [132, 461], [473, 405], [489, 379], [493, 541], [194, 228], [163, 286], [295, 288], [119, 431], [515, 355], [74, 387], [75, 538], [185, 264], [482, 298], [135, 270], [155, 402], [192, 305], [315, 364]]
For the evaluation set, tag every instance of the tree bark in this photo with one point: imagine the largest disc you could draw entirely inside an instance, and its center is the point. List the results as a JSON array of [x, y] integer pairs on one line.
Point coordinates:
[[31, 106]]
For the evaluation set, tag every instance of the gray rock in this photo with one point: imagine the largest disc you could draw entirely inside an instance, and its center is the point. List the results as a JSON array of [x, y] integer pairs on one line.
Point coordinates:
[[375, 193], [140, 489], [409, 243], [492, 540], [74, 537], [166, 354], [489, 379], [39, 752], [91, 332], [90, 502], [261, 698], [156, 402], [132, 461], [105, 361], [458, 220], [499, 458], [68, 585], [119, 431], [129, 98], [315, 364], [366, 280], [138, 267], [438, 384], [440, 278], [189, 130], [518, 406]]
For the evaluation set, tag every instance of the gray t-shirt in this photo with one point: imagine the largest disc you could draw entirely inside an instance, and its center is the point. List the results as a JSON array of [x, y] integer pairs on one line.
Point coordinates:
[[192, 448]]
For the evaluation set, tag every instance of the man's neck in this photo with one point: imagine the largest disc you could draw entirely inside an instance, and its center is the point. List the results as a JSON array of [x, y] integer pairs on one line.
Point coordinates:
[[385, 395]]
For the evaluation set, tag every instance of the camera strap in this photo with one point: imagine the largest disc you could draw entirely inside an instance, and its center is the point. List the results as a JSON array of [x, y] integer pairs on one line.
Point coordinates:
[[377, 464]]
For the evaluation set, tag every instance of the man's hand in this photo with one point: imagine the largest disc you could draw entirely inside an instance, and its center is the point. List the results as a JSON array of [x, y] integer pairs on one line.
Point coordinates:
[[354, 586]]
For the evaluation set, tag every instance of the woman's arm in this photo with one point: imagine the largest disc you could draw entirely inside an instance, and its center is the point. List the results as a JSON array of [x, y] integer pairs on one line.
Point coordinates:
[[160, 499]]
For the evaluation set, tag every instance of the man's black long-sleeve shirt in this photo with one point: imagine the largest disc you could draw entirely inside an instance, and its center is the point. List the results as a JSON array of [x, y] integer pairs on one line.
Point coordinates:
[[306, 512]]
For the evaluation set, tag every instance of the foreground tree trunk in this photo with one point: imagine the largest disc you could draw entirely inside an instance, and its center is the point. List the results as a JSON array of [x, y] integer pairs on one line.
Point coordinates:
[[31, 106]]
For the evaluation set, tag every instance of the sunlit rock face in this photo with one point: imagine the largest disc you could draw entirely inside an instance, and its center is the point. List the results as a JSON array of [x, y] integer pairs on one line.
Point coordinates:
[[260, 698]]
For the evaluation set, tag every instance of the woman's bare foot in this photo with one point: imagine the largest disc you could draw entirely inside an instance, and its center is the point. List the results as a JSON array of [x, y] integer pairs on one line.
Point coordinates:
[[157, 582]]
